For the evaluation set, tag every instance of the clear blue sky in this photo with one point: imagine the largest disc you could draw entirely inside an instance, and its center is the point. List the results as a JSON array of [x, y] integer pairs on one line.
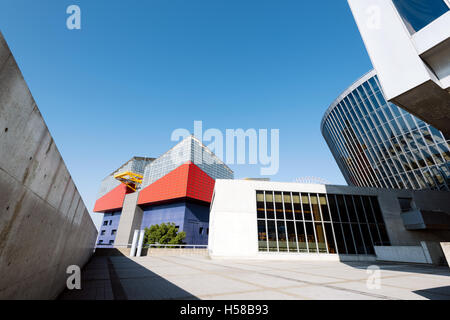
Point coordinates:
[[138, 69]]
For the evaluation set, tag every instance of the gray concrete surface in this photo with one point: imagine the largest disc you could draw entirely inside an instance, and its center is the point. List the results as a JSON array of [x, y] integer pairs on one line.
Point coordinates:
[[44, 224], [130, 220], [199, 277]]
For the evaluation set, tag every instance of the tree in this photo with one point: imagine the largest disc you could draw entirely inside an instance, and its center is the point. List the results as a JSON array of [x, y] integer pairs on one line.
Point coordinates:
[[164, 234]]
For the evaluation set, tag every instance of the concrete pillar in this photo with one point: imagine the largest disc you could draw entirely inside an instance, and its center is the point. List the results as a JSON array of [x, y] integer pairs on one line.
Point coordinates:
[[140, 242], [133, 244], [130, 220]]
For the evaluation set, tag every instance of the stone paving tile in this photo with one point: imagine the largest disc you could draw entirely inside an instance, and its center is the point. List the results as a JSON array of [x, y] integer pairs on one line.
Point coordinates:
[[210, 284], [264, 280], [417, 282], [253, 295], [324, 293], [194, 277], [394, 293], [153, 289]]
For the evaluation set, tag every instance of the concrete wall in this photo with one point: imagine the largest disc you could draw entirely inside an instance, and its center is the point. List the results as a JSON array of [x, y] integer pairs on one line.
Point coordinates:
[[44, 224]]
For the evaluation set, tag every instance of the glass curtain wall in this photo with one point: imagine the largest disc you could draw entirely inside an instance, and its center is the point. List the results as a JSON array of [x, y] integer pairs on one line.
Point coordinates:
[[319, 223], [377, 144]]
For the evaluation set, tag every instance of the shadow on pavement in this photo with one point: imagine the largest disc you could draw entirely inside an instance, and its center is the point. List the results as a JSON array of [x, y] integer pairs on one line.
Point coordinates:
[[402, 267], [439, 293], [116, 277]]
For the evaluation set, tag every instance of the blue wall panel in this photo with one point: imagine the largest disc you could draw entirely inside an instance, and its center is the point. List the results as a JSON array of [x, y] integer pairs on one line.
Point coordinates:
[[106, 235], [191, 218]]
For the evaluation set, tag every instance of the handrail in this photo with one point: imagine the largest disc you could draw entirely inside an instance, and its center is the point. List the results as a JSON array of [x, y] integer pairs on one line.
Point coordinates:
[[160, 245]]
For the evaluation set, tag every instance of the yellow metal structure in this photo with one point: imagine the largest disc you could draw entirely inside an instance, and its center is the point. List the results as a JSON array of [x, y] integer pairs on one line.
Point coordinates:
[[130, 179]]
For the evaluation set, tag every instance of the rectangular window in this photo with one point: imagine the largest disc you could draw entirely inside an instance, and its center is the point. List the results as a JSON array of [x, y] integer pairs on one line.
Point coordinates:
[[102, 233], [324, 207], [342, 210], [272, 235], [340, 240], [279, 206], [417, 14], [262, 235], [306, 207], [350, 208], [320, 238], [348, 238], [333, 208], [269, 206], [260, 205], [330, 238], [311, 237], [288, 206], [366, 237], [282, 243], [105, 223], [292, 239], [111, 241], [113, 232], [360, 248], [315, 207], [301, 237], [297, 208]]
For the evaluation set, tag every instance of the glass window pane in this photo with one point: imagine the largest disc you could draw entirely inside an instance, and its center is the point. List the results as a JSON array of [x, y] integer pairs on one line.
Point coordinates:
[[269, 206], [301, 237], [333, 208], [279, 206], [417, 14], [311, 237], [282, 244], [320, 238], [350, 208], [288, 206], [377, 210], [366, 237], [260, 205], [330, 238], [342, 210], [292, 241], [297, 207], [375, 235], [348, 238], [271, 234], [262, 235], [315, 207], [360, 248], [306, 207], [324, 207], [340, 241]]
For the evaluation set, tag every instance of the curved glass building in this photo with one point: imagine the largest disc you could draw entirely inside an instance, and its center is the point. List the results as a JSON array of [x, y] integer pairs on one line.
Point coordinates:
[[377, 144]]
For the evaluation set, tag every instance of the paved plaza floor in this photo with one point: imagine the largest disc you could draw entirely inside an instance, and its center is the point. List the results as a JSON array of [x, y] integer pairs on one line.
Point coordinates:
[[198, 277]]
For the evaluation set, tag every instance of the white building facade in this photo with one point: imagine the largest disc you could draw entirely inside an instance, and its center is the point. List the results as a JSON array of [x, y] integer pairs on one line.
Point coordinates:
[[275, 220]]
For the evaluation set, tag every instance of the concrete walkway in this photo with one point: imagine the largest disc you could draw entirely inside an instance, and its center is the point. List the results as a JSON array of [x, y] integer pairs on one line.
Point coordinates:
[[198, 277]]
